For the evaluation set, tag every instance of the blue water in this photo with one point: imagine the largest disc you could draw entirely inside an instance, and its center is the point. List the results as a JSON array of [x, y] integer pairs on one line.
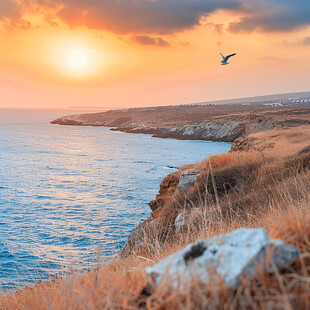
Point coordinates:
[[64, 190]]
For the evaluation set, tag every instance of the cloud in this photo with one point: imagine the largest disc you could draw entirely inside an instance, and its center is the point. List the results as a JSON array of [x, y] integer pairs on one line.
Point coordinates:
[[9, 9], [306, 41], [147, 40], [158, 17], [275, 16], [218, 28], [11, 15], [137, 16]]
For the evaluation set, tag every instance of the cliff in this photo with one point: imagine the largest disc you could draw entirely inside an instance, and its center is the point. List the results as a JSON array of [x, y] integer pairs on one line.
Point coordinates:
[[213, 123], [235, 185]]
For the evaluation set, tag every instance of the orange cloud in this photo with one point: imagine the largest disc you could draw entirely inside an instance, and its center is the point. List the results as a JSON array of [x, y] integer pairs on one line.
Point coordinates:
[[147, 40], [128, 16], [9, 10], [11, 15], [163, 16]]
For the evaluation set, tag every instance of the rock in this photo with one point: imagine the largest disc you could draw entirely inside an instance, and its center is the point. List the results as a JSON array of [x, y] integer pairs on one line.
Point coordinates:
[[187, 179], [154, 205], [144, 232], [228, 257], [146, 228], [181, 221]]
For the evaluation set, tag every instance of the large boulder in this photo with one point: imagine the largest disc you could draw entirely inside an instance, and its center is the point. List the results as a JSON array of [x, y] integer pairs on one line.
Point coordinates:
[[228, 257], [187, 179]]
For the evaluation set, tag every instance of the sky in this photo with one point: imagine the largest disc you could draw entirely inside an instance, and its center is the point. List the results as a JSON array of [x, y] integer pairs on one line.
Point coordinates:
[[103, 54]]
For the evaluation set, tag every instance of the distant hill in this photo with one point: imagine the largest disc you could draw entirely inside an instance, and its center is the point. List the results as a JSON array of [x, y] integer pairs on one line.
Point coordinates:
[[258, 99]]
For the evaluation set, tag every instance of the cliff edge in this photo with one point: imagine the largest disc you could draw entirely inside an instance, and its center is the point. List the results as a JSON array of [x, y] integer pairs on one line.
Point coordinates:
[[212, 123]]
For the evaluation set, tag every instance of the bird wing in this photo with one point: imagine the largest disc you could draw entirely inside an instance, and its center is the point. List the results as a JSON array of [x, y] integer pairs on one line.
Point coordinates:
[[227, 57], [223, 56]]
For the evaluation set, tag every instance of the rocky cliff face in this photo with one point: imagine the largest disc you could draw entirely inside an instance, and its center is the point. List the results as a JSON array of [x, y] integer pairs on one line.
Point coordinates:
[[226, 131], [238, 179], [225, 128], [230, 186]]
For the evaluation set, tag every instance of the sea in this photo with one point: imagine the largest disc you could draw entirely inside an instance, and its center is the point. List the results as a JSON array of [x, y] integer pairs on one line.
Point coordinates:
[[67, 191]]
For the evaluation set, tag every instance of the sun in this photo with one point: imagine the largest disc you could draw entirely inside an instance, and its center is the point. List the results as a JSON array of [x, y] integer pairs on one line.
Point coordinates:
[[76, 59]]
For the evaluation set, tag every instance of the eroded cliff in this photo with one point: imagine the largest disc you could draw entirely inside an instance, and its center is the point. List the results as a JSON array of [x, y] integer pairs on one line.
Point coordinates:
[[220, 123]]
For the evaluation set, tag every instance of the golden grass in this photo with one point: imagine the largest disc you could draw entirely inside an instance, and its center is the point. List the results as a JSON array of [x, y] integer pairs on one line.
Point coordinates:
[[260, 191], [281, 143]]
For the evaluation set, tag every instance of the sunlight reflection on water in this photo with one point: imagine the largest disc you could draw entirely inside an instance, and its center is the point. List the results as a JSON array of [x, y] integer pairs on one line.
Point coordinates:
[[65, 190]]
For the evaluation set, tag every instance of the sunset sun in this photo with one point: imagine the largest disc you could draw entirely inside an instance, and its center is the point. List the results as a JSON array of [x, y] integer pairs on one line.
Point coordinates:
[[77, 60]]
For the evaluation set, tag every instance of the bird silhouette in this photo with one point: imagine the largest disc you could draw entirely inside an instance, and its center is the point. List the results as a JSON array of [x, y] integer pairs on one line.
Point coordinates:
[[225, 58]]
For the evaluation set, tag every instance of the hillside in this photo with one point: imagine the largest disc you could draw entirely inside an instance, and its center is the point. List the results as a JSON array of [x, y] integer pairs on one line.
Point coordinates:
[[238, 186], [197, 122], [263, 99]]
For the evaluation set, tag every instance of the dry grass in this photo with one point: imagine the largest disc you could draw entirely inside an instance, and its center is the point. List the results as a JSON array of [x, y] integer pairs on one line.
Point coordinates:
[[280, 143], [258, 191]]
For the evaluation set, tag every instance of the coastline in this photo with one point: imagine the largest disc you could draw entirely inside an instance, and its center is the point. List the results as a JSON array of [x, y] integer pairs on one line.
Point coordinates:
[[204, 123], [231, 126], [181, 193], [179, 217]]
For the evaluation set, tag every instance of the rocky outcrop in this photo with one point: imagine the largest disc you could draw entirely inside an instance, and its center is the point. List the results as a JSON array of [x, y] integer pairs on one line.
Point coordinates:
[[187, 179], [172, 187], [144, 236], [166, 189], [155, 225], [210, 131], [228, 258], [221, 123]]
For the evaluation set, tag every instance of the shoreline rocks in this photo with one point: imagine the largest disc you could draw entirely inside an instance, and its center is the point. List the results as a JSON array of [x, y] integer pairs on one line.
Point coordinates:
[[220, 123], [209, 123]]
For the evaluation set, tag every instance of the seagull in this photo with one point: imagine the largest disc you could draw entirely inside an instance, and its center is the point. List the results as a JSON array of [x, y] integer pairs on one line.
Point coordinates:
[[224, 61]]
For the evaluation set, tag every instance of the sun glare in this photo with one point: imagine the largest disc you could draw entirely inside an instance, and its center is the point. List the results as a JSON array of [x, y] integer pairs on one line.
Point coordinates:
[[78, 61], [75, 59]]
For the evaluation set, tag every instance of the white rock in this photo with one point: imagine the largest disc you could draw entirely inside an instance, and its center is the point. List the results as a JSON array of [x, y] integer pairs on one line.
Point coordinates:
[[181, 220], [219, 130], [189, 130], [187, 179], [230, 257]]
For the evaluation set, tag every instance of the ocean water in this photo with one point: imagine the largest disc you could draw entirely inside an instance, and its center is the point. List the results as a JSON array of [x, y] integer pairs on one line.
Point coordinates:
[[66, 190]]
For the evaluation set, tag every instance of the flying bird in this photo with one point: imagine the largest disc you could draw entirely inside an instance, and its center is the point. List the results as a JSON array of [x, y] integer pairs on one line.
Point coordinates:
[[225, 58]]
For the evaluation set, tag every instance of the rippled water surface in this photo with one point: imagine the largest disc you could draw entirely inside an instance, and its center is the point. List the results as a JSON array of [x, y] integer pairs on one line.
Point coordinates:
[[65, 190]]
